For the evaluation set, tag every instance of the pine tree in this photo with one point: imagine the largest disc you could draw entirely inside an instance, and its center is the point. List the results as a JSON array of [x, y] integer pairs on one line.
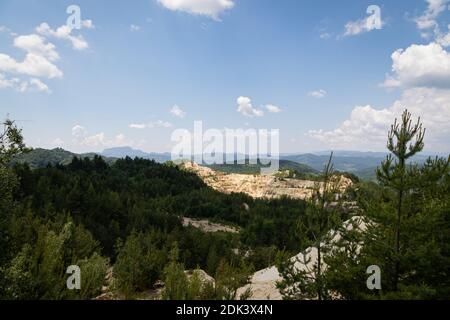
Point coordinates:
[[175, 280], [405, 139], [307, 281], [11, 144]]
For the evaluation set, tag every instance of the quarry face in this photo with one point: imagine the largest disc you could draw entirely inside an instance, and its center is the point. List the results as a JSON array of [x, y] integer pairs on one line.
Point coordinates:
[[259, 186]]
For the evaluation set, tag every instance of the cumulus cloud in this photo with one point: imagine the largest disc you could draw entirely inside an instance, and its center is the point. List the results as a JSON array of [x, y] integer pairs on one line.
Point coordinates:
[[33, 65], [5, 83], [177, 112], [368, 126], [245, 108], [79, 132], [81, 137], [209, 8], [39, 59], [272, 108], [37, 45], [150, 125], [64, 32], [33, 84], [39, 85], [420, 66], [318, 94]]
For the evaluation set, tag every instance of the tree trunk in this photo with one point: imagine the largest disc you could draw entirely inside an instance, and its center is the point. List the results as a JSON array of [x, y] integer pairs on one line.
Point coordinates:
[[319, 274], [397, 233], [397, 241]]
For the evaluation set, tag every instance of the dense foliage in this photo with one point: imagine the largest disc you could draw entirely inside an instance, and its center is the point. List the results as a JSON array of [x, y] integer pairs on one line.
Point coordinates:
[[403, 234], [128, 215]]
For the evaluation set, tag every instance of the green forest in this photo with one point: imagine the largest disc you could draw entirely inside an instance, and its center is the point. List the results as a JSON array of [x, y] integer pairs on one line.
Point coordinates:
[[127, 215]]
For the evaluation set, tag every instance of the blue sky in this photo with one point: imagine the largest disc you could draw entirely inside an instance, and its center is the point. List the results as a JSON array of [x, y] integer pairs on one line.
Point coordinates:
[[331, 82]]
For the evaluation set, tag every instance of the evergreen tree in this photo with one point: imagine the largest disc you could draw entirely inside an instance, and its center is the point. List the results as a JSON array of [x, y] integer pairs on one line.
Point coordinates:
[[302, 278], [405, 139], [175, 280], [406, 233]]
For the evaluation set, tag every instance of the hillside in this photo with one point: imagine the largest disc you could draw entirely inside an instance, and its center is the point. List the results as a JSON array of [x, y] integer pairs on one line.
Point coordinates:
[[341, 163], [40, 158], [362, 164], [122, 152], [256, 168]]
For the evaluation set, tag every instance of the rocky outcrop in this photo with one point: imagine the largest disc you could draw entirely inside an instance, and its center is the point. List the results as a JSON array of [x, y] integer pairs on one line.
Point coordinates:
[[263, 283], [259, 186], [207, 226], [202, 275]]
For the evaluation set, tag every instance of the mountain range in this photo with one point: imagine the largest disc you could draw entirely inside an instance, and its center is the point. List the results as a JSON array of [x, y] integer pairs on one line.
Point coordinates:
[[362, 164]]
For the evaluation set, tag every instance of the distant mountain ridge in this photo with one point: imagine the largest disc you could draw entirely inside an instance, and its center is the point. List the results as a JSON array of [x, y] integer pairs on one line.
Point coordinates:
[[256, 168], [122, 152], [40, 158], [362, 164]]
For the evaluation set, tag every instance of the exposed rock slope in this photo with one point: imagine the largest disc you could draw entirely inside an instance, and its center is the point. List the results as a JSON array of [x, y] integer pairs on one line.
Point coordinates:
[[263, 283], [258, 186]]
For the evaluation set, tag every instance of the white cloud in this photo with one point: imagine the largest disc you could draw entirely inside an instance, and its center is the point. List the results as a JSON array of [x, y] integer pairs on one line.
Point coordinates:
[[95, 140], [368, 127], [37, 45], [420, 66], [80, 137], [40, 57], [87, 24], [39, 85], [5, 83], [245, 107], [428, 19], [428, 23], [318, 94], [33, 65], [273, 109], [134, 28], [65, 32], [177, 112], [154, 124], [443, 38], [79, 132], [33, 84], [210, 8], [138, 126]]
